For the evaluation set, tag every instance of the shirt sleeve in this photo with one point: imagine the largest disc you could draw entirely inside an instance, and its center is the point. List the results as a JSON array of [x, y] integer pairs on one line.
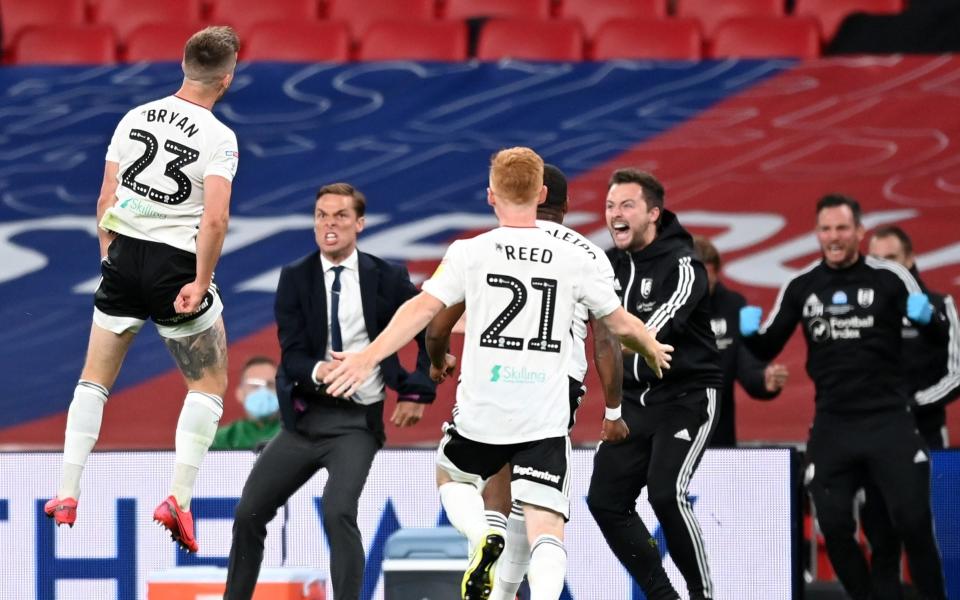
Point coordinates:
[[448, 282], [779, 326], [225, 158], [113, 150], [596, 292]]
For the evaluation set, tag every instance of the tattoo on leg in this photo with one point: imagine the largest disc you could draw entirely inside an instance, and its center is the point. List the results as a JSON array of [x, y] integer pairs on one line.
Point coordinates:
[[196, 353]]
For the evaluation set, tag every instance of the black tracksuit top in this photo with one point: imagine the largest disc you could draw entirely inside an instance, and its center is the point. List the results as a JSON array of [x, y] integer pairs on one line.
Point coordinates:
[[933, 368], [665, 286], [852, 319]]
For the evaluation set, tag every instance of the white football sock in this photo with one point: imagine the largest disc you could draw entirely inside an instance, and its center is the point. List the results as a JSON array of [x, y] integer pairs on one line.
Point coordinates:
[[515, 559], [548, 567], [83, 428], [464, 507], [496, 521], [195, 431]]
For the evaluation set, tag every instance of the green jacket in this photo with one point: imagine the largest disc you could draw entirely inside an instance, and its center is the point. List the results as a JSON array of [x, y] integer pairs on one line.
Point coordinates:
[[245, 434]]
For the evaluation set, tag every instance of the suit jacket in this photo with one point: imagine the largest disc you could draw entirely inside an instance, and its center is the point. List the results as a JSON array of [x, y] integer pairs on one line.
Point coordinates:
[[300, 309]]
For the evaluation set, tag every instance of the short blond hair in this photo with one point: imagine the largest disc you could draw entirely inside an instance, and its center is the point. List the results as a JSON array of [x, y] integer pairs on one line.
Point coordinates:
[[516, 175], [210, 54]]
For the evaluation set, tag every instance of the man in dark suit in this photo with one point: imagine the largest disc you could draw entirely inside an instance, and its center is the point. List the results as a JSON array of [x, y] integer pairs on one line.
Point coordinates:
[[760, 380], [336, 299]]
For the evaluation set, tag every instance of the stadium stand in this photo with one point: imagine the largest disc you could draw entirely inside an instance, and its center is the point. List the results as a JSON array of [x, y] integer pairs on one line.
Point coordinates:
[[66, 45], [592, 14], [242, 15], [127, 15], [361, 15], [467, 9], [17, 15], [319, 41], [667, 39], [831, 13], [754, 37], [157, 42], [531, 39], [414, 40], [711, 12]]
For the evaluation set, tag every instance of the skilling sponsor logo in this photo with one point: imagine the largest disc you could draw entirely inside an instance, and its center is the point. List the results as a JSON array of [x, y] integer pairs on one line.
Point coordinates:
[[508, 374]]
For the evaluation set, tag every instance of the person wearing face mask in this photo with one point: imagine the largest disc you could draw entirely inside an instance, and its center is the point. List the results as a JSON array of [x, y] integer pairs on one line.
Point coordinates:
[[257, 393], [851, 309]]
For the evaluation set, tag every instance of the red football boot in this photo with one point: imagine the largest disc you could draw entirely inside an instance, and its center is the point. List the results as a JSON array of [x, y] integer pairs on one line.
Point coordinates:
[[63, 512], [178, 522]]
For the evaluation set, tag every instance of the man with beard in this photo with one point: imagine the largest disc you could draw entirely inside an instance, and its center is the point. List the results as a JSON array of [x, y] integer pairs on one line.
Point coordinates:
[[851, 308], [670, 419]]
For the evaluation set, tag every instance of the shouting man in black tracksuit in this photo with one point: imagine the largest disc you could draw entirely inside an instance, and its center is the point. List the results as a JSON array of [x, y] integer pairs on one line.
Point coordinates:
[[670, 419], [933, 372], [851, 309]]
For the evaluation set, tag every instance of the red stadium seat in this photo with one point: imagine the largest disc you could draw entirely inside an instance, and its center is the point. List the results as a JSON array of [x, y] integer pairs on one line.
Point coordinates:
[[19, 14], [158, 42], [831, 13], [318, 41], [593, 13], [667, 39], [522, 9], [415, 40], [361, 15], [66, 45], [126, 15], [531, 39], [764, 37], [712, 12], [244, 14]]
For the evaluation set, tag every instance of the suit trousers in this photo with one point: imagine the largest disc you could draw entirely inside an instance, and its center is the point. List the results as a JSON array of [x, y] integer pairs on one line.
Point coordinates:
[[340, 442]]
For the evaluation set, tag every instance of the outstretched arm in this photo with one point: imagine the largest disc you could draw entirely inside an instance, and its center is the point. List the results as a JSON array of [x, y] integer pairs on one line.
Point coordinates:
[[407, 322], [634, 335]]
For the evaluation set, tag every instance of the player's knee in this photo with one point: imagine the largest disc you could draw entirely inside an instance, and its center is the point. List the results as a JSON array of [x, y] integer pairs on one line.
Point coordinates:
[[337, 513], [604, 512], [662, 500], [908, 520], [836, 522], [249, 516]]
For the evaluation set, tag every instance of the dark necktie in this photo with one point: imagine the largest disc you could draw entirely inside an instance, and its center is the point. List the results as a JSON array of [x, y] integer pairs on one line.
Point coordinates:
[[336, 341]]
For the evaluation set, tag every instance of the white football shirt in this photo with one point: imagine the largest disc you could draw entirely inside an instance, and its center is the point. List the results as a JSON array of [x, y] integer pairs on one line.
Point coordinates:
[[521, 288], [164, 150], [578, 331]]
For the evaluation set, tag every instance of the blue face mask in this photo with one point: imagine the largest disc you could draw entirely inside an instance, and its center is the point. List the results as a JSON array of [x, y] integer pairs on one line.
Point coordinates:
[[261, 403]]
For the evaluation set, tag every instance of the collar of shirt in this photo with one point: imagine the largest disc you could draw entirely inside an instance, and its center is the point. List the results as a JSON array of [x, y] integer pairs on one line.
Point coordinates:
[[349, 263]]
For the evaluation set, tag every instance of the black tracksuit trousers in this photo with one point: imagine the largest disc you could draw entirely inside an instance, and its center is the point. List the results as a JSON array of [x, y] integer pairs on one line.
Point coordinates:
[[880, 451], [663, 449]]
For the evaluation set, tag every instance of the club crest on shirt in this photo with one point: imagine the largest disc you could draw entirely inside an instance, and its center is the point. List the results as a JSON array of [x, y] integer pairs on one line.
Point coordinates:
[[812, 307], [719, 327], [865, 297], [646, 286]]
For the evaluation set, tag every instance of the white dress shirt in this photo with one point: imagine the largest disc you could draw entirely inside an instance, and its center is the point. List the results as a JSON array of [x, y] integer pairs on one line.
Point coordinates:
[[353, 329]]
